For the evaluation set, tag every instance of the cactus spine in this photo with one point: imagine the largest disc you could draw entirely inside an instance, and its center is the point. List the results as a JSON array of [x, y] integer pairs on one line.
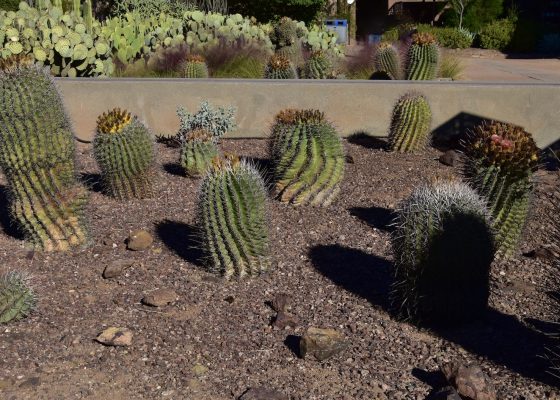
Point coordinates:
[[37, 157], [500, 162], [410, 125], [124, 150], [318, 66], [307, 156], [17, 298], [197, 152], [443, 245], [232, 215], [195, 67], [423, 57], [387, 59], [279, 67]]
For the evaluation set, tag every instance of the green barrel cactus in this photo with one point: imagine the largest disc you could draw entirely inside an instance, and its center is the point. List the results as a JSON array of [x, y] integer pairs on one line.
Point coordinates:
[[308, 158], [37, 153], [388, 60], [443, 247], [410, 124], [17, 298], [195, 67], [124, 150], [423, 57], [500, 161], [279, 67], [232, 215], [318, 66], [197, 152]]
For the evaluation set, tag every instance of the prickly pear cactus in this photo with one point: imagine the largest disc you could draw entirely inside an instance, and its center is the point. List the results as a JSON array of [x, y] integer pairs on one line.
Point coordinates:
[[423, 57], [387, 59], [197, 152], [124, 150], [307, 157], [318, 66], [279, 67], [501, 159], [410, 125], [232, 216], [443, 246], [37, 157], [17, 298], [195, 67]]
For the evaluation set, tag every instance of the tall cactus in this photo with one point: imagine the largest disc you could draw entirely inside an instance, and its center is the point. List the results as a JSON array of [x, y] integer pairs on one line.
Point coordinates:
[[443, 246], [279, 67], [501, 159], [198, 150], [17, 297], [195, 67], [307, 156], [124, 150], [37, 156], [410, 125], [423, 57], [318, 66], [286, 38], [232, 215], [387, 59]]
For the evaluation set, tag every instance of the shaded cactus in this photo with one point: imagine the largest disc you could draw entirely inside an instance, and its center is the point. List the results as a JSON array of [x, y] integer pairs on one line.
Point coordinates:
[[443, 247], [124, 150], [197, 152], [37, 156], [294, 53], [500, 160], [318, 66], [286, 38], [423, 57], [387, 59], [279, 67], [195, 67], [17, 298], [410, 124], [307, 157], [232, 216]]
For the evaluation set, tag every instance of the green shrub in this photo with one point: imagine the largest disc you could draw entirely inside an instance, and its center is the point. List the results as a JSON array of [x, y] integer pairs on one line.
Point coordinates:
[[9, 5], [452, 38], [497, 35], [478, 13], [269, 10]]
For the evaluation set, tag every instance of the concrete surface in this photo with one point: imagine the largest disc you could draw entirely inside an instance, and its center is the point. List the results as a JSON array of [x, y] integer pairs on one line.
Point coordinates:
[[510, 69]]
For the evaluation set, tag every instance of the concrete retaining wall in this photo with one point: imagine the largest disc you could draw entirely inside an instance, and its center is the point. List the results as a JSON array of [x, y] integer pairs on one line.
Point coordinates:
[[353, 106]]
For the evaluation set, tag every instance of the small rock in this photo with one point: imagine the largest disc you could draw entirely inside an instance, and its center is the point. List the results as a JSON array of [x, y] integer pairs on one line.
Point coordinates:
[[446, 393], [281, 302], [284, 319], [229, 299], [449, 158], [349, 159], [139, 240], [321, 343], [262, 393], [199, 369], [116, 268], [542, 253], [160, 297], [470, 381], [115, 337]]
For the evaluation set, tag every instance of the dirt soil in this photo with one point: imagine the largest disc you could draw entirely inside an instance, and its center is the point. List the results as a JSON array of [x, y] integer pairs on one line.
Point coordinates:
[[216, 341]]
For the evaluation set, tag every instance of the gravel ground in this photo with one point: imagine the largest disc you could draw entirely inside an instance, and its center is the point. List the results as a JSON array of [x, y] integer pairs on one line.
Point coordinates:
[[216, 341]]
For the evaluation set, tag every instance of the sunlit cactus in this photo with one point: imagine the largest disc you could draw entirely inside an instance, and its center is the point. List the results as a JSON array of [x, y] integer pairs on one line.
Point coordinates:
[[410, 124], [279, 67], [197, 152], [195, 67], [423, 57], [17, 297]]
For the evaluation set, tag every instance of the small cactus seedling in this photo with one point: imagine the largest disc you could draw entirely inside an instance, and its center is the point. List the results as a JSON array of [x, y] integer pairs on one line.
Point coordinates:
[[387, 59], [410, 125], [318, 66], [279, 67], [232, 216], [423, 57], [195, 67], [197, 152], [124, 150], [500, 161], [17, 298]]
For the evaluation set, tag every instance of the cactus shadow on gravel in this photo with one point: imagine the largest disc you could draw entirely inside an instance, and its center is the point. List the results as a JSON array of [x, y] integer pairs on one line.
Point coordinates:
[[181, 239], [174, 169], [6, 224], [376, 217], [368, 141], [92, 181]]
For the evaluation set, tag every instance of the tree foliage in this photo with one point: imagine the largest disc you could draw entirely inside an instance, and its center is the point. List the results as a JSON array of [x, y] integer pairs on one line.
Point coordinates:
[[264, 11]]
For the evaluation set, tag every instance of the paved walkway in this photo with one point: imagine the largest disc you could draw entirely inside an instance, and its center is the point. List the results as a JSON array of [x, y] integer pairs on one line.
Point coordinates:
[[479, 68]]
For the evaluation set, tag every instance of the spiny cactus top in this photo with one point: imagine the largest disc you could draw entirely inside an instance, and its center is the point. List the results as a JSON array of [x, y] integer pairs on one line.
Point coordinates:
[[195, 67], [17, 297], [279, 67], [113, 121], [423, 57], [387, 59]]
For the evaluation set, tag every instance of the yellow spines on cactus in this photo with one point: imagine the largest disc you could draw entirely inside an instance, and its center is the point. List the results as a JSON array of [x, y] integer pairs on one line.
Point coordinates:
[[15, 61], [113, 121]]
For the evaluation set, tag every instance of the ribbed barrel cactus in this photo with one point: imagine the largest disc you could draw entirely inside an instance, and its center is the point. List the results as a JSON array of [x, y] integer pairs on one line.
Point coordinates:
[[443, 247], [286, 38], [197, 152], [232, 216], [307, 157], [195, 67], [410, 124], [318, 66], [500, 161], [423, 57], [124, 150], [279, 67], [388, 60], [17, 297], [37, 156]]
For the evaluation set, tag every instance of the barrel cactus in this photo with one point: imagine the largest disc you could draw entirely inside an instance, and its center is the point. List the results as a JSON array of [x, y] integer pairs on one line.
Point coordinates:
[[500, 161], [197, 152], [318, 66], [286, 37], [279, 67], [307, 157], [410, 124], [124, 150], [443, 246], [232, 216], [17, 297], [387, 59], [423, 57], [37, 156], [195, 67]]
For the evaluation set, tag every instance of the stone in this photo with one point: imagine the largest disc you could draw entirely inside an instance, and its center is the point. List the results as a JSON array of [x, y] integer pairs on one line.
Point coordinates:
[[446, 393], [281, 302], [199, 369], [450, 158], [469, 381], [321, 343], [116, 268], [229, 299], [159, 297], [139, 240], [285, 320], [113, 336], [349, 159], [263, 393]]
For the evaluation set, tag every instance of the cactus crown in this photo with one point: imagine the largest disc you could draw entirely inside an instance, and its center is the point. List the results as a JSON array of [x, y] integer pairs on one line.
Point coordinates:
[[15, 62], [195, 58], [113, 121], [423, 39], [199, 134], [292, 116], [228, 162], [384, 45], [279, 62]]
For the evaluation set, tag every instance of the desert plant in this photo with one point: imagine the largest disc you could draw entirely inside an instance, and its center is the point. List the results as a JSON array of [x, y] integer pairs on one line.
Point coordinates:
[[197, 152], [497, 34], [232, 217], [451, 67], [217, 121], [17, 297], [410, 124], [124, 150], [443, 247], [37, 156], [242, 66], [387, 59], [423, 57], [195, 67], [318, 66], [279, 67], [286, 37], [500, 160], [307, 157]]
